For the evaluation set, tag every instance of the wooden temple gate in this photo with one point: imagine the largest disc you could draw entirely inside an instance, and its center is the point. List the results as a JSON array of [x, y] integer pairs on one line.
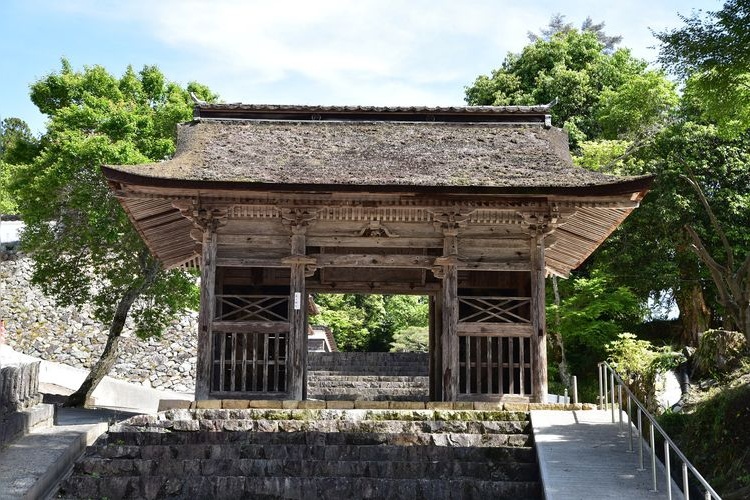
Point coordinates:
[[480, 250]]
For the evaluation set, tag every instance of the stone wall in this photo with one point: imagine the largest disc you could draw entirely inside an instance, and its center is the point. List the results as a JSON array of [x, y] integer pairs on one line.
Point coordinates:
[[36, 326], [19, 386]]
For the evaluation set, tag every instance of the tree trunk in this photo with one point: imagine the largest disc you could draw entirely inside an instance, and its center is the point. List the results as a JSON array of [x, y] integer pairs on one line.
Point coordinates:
[[109, 355], [695, 316], [557, 345]]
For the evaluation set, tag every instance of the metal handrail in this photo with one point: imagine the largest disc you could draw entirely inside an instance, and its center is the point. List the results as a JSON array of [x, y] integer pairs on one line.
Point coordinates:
[[607, 397]]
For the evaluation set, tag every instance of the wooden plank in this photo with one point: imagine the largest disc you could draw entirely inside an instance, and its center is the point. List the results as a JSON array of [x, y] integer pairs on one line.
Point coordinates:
[[244, 362], [251, 326], [521, 366], [538, 321], [266, 361], [206, 314], [476, 329], [500, 366], [511, 367]]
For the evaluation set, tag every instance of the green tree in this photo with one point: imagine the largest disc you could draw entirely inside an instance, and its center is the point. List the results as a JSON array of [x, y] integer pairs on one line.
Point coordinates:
[[710, 52], [597, 95], [83, 246], [17, 147], [652, 250], [369, 322], [557, 24]]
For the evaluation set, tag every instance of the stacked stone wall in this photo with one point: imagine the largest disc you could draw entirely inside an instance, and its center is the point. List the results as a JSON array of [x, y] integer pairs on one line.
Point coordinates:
[[36, 326]]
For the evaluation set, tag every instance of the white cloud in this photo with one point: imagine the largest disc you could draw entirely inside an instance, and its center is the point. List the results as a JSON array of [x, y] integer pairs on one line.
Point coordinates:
[[363, 51]]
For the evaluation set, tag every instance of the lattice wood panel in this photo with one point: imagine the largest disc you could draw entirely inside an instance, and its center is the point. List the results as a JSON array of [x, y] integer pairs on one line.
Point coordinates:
[[252, 307], [495, 366], [494, 309]]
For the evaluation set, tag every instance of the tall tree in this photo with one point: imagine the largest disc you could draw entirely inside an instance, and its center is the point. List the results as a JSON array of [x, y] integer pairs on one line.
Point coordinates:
[[710, 51], [83, 246], [597, 95], [652, 251], [557, 24]]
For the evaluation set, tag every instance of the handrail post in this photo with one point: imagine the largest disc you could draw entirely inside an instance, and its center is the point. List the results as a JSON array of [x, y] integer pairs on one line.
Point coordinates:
[[653, 454], [667, 470], [612, 387], [630, 425], [602, 387], [619, 403], [575, 389], [640, 441], [685, 484]]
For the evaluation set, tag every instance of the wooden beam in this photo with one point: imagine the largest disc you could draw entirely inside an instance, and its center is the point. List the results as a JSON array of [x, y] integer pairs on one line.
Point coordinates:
[[538, 321], [206, 313], [249, 262], [480, 329], [251, 326], [374, 260]]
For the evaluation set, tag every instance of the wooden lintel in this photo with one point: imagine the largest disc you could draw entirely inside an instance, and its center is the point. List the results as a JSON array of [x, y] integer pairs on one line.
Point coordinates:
[[299, 259], [374, 260], [476, 329], [251, 326], [494, 266], [249, 262]]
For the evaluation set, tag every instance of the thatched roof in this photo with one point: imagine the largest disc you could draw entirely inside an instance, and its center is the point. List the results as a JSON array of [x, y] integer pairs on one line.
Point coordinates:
[[507, 147]]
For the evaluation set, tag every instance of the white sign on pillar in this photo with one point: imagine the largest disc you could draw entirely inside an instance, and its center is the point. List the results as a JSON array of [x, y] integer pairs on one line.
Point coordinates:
[[297, 301]]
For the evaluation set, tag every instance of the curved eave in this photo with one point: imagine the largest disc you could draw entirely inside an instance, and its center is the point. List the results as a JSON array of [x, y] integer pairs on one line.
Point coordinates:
[[628, 186]]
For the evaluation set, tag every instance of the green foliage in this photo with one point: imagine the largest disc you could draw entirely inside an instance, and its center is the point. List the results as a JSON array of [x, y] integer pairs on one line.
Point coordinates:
[[599, 95], [715, 439], [83, 246], [710, 51], [411, 339], [17, 147], [639, 363], [369, 322], [592, 312], [558, 25], [651, 251]]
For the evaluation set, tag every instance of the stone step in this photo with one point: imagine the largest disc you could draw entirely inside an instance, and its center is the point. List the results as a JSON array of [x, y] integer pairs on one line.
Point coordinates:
[[353, 395], [315, 377], [245, 450], [387, 469], [373, 370], [323, 438], [221, 487], [368, 384]]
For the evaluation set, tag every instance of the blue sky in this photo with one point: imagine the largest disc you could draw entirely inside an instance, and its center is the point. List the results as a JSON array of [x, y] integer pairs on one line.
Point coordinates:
[[376, 52]]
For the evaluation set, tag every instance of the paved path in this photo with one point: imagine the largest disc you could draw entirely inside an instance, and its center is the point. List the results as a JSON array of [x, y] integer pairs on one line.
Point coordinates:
[[583, 455], [31, 466]]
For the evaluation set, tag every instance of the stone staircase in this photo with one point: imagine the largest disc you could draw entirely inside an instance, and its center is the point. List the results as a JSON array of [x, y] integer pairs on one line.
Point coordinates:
[[304, 453], [370, 376]]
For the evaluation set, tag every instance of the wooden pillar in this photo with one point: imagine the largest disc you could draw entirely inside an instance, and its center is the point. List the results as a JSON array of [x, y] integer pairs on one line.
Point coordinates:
[[538, 319], [297, 343], [436, 353], [449, 337], [449, 316], [207, 309]]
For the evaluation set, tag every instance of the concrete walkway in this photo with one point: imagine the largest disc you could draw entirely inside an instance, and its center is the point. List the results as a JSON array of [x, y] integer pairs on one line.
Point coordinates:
[[31, 466], [583, 455]]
